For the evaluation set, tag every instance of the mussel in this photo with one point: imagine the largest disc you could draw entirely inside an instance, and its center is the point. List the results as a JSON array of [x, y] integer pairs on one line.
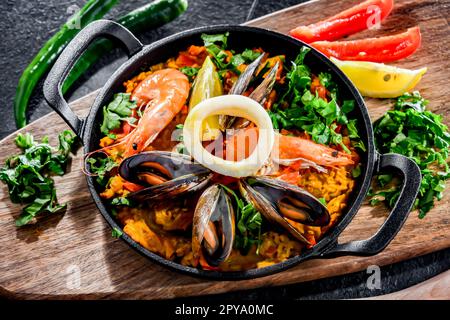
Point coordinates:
[[246, 77], [213, 226], [163, 174], [278, 201], [259, 94]]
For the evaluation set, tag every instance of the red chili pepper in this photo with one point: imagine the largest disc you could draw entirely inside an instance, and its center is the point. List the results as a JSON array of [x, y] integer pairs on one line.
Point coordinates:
[[350, 21], [383, 49]]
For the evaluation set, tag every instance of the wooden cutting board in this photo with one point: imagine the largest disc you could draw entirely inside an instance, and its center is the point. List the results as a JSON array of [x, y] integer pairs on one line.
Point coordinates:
[[47, 260]]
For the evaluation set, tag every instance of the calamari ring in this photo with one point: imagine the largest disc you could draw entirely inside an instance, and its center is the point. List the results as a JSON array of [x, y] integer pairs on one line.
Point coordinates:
[[231, 105]]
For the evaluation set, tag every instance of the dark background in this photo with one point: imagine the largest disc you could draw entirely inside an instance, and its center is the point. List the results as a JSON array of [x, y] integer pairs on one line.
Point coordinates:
[[26, 25]]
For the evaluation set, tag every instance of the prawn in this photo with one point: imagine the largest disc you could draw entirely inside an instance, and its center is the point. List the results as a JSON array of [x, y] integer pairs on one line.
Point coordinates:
[[292, 148], [163, 94], [287, 150]]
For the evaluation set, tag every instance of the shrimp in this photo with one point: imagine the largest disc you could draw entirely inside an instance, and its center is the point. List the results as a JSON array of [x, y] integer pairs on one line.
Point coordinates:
[[292, 148], [163, 94], [287, 150]]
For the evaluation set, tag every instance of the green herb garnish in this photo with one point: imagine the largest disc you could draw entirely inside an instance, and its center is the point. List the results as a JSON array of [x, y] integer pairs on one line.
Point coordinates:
[[323, 201], [190, 72], [121, 201], [247, 56], [101, 167], [216, 44], [118, 110], [29, 175], [356, 172], [419, 134], [221, 39], [116, 233], [248, 224], [298, 108], [180, 148]]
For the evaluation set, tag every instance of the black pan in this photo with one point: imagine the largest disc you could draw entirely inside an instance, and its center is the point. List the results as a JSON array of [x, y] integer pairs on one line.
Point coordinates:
[[241, 37]]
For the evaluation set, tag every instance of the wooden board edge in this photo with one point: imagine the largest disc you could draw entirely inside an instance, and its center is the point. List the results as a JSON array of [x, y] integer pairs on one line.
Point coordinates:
[[258, 283], [250, 22]]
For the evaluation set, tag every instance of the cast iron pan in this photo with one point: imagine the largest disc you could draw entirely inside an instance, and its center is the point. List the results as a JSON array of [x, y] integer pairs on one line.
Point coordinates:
[[141, 57]]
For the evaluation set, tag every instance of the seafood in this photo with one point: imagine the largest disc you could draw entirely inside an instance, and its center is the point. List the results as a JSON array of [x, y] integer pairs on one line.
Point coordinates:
[[259, 94], [291, 148], [163, 94], [244, 79], [281, 202], [263, 90], [213, 226], [286, 150], [237, 195], [163, 174]]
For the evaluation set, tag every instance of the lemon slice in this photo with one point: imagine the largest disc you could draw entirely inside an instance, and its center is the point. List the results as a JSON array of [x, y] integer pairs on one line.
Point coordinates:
[[378, 80], [206, 85]]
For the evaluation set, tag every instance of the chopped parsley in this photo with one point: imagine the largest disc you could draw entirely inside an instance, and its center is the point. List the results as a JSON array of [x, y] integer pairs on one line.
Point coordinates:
[[216, 44], [419, 134], [121, 201], [116, 233], [248, 223], [190, 72], [101, 167], [298, 108], [120, 109], [29, 175]]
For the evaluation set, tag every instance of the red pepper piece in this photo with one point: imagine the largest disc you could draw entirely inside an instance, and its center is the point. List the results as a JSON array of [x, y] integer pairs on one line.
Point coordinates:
[[382, 49], [350, 21]]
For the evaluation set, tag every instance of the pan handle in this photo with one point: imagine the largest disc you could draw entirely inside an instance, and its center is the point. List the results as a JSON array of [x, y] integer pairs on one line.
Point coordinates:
[[74, 50], [411, 175]]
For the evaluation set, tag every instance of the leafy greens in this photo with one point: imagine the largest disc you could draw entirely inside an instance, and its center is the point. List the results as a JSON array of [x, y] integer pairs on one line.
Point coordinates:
[[248, 223], [299, 108], [28, 175], [419, 134], [190, 72], [216, 45], [118, 110], [100, 167]]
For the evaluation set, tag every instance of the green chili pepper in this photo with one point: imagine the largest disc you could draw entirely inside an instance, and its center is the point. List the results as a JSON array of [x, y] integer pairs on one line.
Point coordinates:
[[151, 15], [92, 10]]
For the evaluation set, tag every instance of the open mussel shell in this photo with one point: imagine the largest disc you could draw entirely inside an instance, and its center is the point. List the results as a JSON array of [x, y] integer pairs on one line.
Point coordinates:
[[163, 174], [262, 91], [213, 226], [278, 201], [246, 77], [259, 94]]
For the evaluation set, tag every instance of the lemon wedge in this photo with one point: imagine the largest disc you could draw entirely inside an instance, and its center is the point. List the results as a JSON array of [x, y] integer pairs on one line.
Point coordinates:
[[378, 80], [206, 85]]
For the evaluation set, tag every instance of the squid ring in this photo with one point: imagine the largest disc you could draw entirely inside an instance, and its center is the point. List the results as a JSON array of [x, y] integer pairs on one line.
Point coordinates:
[[231, 105]]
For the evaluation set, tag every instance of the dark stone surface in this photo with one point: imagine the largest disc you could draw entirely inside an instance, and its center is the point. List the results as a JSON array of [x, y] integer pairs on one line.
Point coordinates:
[[26, 25]]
